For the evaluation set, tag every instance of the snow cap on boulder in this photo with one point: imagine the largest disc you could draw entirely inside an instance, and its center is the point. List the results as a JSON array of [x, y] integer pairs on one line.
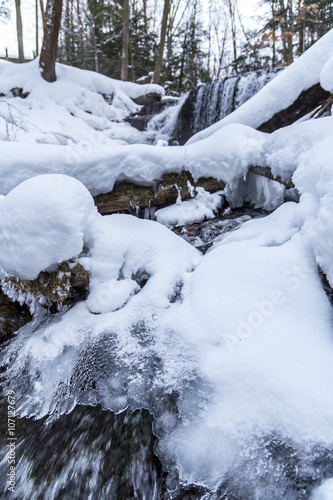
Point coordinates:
[[43, 221]]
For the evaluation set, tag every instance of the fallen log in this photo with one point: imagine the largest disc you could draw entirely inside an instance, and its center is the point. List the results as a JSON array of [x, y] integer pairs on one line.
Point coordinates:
[[307, 102], [266, 172], [132, 198]]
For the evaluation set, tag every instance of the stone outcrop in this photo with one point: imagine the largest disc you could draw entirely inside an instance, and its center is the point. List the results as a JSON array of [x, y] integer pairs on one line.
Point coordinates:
[[145, 99], [63, 287], [140, 119], [12, 316], [131, 198], [266, 172], [68, 284]]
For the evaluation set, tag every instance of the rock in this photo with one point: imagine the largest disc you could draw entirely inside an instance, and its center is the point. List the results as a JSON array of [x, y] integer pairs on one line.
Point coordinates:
[[140, 119], [131, 198], [18, 92], [12, 316], [67, 285], [108, 97], [145, 99]]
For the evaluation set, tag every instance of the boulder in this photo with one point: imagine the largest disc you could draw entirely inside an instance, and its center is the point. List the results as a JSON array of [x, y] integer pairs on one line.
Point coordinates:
[[145, 99], [12, 316], [65, 286]]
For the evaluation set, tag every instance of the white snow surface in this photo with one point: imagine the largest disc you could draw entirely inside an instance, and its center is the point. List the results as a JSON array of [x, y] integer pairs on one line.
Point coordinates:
[[324, 491], [312, 67], [242, 335], [71, 110], [43, 221], [203, 206]]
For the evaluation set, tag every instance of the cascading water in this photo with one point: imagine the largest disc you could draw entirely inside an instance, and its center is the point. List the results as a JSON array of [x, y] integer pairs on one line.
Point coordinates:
[[205, 105], [97, 394]]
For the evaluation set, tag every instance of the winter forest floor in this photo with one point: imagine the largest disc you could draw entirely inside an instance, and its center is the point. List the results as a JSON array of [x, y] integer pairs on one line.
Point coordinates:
[[187, 353]]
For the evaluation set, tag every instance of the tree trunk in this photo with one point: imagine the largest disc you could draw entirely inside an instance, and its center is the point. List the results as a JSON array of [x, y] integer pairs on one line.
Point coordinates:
[[231, 7], [42, 10], [159, 59], [19, 29], [274, 35], [95, 48], [124, 53], [37, 25], [50, 41], [290, 31]]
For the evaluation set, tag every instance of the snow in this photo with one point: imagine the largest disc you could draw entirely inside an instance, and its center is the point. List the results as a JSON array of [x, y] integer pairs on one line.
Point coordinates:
[[203, 206], [43, 222], [324, 491], [283, 90], [71, 110], [239, 339]]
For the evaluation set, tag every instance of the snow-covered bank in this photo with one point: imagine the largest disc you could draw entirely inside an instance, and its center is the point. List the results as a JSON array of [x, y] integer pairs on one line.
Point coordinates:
[[230, 351], [242, 335], [80, 107]]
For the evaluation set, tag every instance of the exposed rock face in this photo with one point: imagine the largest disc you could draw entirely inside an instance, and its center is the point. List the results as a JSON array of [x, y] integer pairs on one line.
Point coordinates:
[[140, 120], [67, 285], [144, 100], [128, 197], [63, 287], [12, 316]]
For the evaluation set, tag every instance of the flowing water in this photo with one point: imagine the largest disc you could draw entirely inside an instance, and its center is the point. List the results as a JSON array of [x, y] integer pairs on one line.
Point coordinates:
[[99, 419], [205, 105]]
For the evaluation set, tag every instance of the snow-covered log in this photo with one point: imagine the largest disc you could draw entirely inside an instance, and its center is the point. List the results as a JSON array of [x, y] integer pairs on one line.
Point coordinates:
[[129, 196]]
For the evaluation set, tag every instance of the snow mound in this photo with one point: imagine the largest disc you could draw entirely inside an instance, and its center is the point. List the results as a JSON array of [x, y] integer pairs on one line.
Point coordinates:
[[324, 491], [80, 107], [43, 222], [203, 206]]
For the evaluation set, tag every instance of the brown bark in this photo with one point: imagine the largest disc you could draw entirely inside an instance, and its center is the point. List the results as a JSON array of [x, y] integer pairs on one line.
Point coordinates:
[[37, 25], [42, 10], [50, 41], [266, 172], [19, 29], [129, 197], [159, 59]]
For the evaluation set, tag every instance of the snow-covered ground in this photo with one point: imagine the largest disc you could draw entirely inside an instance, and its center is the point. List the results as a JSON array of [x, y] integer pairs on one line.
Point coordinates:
[[242, 335]]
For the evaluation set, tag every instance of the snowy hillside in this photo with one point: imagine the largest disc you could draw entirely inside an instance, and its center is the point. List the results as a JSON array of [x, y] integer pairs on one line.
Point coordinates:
[[231, 351], [81, 107]]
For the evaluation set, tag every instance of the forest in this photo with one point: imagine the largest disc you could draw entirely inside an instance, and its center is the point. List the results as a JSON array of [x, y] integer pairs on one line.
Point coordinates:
[[180, 43]]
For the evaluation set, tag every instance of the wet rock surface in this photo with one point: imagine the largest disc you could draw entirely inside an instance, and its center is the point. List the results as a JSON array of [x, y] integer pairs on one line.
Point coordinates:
[[89, 453], [140, 120], [202, 235], [13, 316], [65, 286]]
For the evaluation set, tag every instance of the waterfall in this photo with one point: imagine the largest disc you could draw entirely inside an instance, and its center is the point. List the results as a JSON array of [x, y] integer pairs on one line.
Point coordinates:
[[211, 102]]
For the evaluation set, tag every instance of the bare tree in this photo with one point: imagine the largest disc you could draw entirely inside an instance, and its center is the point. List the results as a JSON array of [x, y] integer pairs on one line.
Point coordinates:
[[159, 59], [232, 6], [124, 52], [48, 53], [19, 29], [42, 10]]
